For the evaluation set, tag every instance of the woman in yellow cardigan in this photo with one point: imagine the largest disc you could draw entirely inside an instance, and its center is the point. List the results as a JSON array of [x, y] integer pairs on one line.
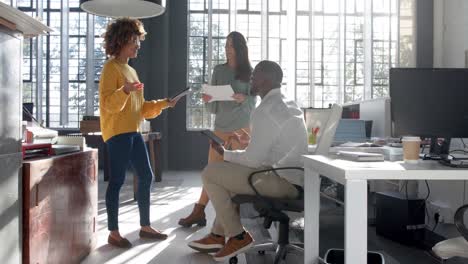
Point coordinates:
[[122, 108]]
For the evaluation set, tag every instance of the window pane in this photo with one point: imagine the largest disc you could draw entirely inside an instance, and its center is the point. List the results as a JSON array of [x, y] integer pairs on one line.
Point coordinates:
[[303, 5], [302, 65], [51, 69], [24, 3], [274, 5], [380, 6], [241, 4], [197, 5], [220, 25], [255, 49], [54, 4], [332, 6], [338, 67], [221, 4], [198, 25], [350, 6], [303, 30], [255, 5], [303, 95], [74, 3]]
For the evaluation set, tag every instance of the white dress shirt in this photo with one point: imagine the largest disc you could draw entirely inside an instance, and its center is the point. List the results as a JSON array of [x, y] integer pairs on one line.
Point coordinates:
[[278, 137]]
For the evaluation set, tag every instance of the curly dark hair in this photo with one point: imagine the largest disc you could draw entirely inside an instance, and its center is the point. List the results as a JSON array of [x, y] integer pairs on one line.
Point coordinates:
[[243, 68], [121, 31]]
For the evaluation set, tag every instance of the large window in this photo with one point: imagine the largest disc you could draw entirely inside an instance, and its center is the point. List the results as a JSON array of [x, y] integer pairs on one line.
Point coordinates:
[[63, 77], [331, 51], [210, 23]]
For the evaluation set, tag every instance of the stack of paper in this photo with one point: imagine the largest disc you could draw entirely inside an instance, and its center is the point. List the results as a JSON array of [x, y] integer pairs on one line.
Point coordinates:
[[42, 135], [72, 141], [218, 92], [358, 144], [360, 156], [64, 149]]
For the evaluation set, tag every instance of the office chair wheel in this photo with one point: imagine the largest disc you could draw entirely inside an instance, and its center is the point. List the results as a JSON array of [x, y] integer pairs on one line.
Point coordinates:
[[233, 260], [261, 252], [280, 255]]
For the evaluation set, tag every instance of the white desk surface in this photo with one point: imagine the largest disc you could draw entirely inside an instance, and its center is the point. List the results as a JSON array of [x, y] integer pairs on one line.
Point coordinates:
[[341, 170], [354, 176]]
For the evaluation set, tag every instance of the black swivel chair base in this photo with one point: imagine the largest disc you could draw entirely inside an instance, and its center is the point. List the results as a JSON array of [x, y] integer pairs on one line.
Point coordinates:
[[269, 209], [273, 210], [280, 250], [282, 247]]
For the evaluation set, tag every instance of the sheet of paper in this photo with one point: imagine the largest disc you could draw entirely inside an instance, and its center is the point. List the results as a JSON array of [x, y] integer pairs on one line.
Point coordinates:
[[218, 92]]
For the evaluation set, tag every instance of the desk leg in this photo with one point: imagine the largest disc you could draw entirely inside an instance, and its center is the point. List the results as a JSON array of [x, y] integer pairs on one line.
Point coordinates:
[[356, 222], [311, 216]]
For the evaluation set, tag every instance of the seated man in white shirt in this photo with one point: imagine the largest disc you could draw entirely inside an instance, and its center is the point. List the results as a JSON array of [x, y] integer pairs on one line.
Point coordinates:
[[278, 139]]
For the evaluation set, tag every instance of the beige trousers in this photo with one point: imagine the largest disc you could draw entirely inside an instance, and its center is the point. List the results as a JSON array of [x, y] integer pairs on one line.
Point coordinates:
[[223, 180]]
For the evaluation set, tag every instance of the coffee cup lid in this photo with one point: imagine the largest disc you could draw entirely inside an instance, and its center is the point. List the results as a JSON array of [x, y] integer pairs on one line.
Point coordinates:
[[411, 139]]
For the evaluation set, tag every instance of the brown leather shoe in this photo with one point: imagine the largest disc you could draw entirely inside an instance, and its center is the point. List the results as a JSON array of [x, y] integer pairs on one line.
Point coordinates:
[[197, 217], [121, 243], [234, 247], [151, 235], [209, 244]]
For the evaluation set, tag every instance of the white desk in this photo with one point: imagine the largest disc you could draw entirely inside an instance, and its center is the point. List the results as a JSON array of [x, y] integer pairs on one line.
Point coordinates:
[[354, 176]]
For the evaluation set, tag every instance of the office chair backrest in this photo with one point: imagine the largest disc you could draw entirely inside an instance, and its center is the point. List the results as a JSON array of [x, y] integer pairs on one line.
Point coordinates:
[[459, 220], [327, 121]]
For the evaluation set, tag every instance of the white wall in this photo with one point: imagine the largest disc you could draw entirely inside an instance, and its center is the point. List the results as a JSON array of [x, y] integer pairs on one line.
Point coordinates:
[[10, 146], [450, 33], [450, 47]]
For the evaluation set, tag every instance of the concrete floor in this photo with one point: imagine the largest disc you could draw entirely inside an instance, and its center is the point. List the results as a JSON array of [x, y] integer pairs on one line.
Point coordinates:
[[171, 199], [174, 197]]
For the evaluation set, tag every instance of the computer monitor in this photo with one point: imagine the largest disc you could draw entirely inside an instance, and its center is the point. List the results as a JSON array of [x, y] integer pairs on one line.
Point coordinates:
[[352, 130], [429, 102]]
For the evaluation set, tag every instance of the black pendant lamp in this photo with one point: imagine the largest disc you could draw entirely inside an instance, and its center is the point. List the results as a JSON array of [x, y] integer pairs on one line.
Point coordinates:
[[124, 8]]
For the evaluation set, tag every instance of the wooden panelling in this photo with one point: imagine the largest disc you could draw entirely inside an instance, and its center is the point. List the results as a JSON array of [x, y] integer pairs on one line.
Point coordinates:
[[59, 208]]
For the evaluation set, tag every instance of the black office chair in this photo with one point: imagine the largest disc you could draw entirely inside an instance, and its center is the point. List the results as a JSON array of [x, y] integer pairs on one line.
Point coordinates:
[[458, 246], [273, 210], [459, 223]]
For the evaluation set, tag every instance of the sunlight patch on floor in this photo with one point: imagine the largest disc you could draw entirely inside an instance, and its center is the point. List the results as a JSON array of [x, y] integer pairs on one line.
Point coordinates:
[[170, 201]]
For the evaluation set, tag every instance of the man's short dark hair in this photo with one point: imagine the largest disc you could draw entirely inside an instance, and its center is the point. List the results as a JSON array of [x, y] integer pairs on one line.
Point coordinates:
[[272, 72]]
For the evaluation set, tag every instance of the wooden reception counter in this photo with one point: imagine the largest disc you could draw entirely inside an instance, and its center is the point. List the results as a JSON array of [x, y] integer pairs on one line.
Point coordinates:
[[60, 207]]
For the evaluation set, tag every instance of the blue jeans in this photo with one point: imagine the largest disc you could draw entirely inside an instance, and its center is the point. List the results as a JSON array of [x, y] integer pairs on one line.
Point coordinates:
[[126, 149]]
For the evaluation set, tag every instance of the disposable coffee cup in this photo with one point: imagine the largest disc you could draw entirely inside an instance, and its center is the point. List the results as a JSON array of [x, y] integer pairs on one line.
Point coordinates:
[[411, 148]]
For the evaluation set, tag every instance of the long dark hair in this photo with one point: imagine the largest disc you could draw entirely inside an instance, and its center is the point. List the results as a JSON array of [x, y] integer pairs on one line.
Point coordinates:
[[243, 67]]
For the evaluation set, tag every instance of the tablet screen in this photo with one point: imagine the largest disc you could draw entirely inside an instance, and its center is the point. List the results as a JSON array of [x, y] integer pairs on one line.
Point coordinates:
[[213, 137], [181, 94]]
